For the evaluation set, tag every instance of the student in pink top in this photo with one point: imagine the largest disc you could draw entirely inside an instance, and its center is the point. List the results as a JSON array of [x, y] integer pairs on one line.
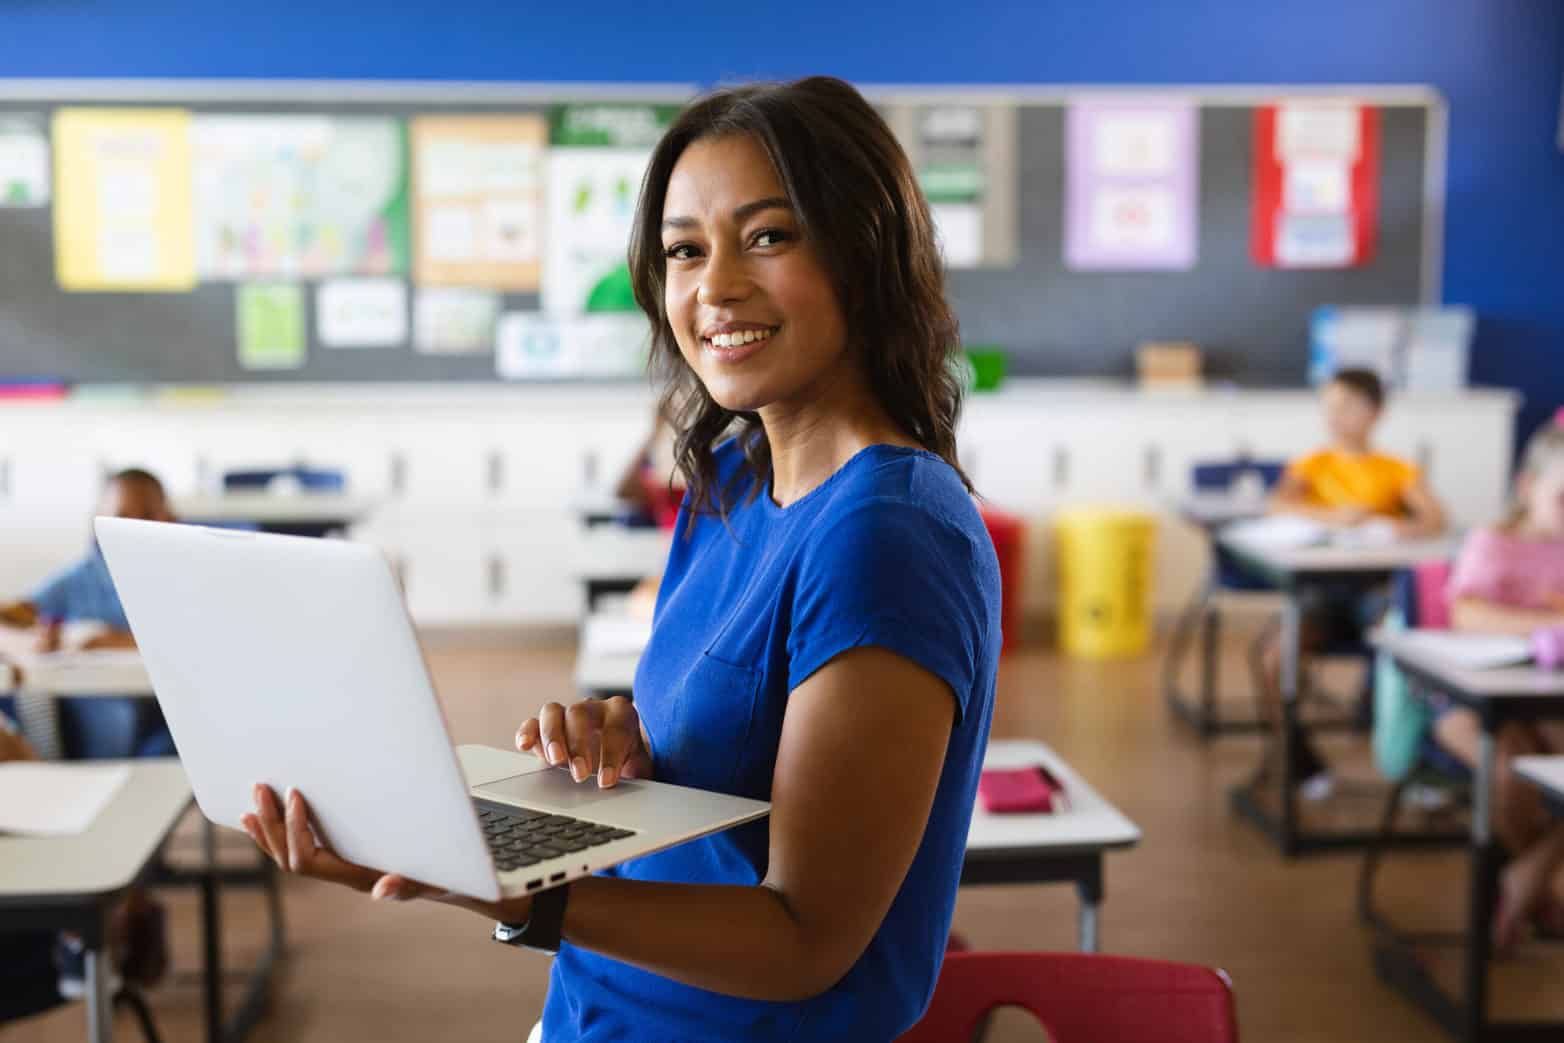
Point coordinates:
[[1509, 579]]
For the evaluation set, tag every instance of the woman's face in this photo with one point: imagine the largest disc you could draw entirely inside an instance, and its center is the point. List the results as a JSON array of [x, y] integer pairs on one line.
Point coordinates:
[[752, 308], [1543, 495]]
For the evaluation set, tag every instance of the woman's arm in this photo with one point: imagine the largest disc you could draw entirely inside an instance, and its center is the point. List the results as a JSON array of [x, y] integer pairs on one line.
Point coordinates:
[[863, 745], [862, 749], [1490, 617]]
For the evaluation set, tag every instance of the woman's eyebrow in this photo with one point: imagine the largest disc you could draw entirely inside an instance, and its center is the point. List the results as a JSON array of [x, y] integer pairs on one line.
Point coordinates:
[[740, 214]]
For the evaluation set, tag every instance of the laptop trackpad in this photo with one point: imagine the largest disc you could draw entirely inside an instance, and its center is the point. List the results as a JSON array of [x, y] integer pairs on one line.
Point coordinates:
[[553, 789]]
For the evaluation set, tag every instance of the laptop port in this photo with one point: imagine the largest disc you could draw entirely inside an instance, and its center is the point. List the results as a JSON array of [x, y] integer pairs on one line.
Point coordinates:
[[556, 878], [533, 885]]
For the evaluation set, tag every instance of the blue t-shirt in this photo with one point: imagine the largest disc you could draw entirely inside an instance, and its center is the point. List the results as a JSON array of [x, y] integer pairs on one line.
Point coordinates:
[[889, 551], [83, 592]]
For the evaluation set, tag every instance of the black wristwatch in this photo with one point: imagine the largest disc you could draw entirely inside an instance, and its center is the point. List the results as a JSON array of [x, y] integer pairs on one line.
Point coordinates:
[[543, 928]]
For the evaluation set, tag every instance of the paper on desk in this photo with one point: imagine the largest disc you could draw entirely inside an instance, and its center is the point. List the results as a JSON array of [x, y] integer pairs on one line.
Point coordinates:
[[1472, 651], [56, 799], [1280, 532]]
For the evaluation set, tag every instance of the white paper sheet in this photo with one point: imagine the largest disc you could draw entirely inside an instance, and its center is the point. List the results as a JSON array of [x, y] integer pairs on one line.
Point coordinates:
[[56, 799], [616, 635], [361, 313], [1473, 651]]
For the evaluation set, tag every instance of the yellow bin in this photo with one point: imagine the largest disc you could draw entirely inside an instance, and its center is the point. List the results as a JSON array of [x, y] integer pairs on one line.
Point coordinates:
[[1105, 562]]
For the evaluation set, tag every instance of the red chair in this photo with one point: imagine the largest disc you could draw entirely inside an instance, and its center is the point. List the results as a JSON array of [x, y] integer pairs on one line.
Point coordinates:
[[1081, 998]]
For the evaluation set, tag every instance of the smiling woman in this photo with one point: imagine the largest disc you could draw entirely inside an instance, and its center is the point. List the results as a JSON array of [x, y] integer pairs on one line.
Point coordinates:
[[827, 631], [811, 209]]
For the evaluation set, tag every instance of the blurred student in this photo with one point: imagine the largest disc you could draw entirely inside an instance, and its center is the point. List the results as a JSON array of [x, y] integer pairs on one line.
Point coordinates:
[[83, 594], [1348, 484], [649, 486], [1509, 579]]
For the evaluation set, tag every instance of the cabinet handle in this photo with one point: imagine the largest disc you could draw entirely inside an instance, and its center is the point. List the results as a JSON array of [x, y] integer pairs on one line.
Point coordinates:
[[5, 477], [1151, 466], [589, 469], [496, 471], [496, 576], [399, 473], [1425, 459], [1061, 467]]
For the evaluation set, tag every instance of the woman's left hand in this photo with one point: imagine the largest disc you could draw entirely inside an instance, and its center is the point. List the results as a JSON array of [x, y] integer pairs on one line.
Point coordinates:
[[287, 835]]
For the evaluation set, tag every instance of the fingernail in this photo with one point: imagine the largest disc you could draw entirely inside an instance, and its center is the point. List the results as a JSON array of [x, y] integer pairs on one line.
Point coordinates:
[[578, 769], [607, 777], [556, 753]]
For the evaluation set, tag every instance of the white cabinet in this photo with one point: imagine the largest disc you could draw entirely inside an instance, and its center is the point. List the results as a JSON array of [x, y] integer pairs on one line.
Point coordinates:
[[475, 484]]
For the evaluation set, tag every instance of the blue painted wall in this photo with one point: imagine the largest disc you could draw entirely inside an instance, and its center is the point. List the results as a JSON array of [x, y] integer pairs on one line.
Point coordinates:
[[1499, 62]]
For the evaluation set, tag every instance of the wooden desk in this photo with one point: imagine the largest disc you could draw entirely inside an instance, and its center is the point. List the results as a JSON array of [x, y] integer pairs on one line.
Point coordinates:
[[71, 882], [1497, 697], [1292, 571], [1067, 845]]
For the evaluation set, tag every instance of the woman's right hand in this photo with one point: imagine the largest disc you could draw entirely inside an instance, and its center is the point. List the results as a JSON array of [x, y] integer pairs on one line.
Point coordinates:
[[601, 737]]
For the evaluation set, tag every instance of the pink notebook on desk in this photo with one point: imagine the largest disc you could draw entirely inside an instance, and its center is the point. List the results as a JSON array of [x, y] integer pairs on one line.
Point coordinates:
[[1030, 790]]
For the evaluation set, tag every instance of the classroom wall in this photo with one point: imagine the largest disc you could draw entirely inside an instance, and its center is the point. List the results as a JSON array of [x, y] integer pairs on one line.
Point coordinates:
[[1499, 62]]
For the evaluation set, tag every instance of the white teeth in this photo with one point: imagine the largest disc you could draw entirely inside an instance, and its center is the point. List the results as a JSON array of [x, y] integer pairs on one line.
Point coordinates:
[[742, 337]]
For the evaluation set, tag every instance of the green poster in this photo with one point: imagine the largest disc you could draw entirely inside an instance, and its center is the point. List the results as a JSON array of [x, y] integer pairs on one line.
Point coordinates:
[[271, 326]]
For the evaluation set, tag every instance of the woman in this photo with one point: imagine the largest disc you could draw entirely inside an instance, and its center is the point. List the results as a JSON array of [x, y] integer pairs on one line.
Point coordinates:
[[827, 632]]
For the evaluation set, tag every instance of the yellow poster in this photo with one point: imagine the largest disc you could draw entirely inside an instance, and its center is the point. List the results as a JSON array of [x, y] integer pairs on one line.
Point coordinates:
[[122, 215], [478, 200]]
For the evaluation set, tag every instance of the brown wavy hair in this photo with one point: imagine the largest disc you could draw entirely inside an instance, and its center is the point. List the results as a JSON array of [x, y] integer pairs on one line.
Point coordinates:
[[860, 207]]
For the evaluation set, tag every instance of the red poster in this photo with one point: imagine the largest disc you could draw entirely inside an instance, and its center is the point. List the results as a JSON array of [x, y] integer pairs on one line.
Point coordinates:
[[1316, 185]]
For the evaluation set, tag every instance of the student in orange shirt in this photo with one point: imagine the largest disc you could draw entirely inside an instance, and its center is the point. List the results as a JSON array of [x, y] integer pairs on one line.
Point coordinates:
[[1345, 485]]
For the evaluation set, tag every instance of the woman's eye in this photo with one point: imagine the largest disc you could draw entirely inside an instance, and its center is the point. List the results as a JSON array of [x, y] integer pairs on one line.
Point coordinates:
[[679, 252], [769, 237]]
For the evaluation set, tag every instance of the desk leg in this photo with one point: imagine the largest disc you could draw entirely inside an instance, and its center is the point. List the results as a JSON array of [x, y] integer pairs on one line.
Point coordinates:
[[100, 1002], [1089, 885], [1287, 733], [211, 934], [1484, 873]]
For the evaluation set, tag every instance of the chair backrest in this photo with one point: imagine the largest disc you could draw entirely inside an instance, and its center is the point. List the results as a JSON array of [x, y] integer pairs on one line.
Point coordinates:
[[1431, 589], [1081, 998], [309, 479], [1215, 476]]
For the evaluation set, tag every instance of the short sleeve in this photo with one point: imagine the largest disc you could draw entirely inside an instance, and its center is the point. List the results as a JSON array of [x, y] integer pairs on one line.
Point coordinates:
[[52, 600], [1479, 568], [893, 575], [1302, 469]]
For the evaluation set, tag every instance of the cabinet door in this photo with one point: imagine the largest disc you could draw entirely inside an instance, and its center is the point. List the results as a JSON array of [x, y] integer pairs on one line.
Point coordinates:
[[528, 578], [441, 564]]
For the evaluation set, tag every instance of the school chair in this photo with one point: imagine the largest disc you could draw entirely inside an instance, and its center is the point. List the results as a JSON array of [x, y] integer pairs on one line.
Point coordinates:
[[1203, 615], [1080, 998], [309, 479], [1405, 751]]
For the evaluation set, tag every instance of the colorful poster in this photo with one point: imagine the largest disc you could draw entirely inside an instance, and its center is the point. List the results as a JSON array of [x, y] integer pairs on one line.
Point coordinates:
[[952, 176], [595, 166], [270, 326], [24, 162], [122, 207], [1316, 177], [299, 196], [1131, 185], [361, 313], [536, 346], [478, 200], [452, 321]]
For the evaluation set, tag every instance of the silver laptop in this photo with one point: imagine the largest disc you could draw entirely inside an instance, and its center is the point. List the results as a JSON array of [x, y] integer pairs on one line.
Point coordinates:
[[292, 661]]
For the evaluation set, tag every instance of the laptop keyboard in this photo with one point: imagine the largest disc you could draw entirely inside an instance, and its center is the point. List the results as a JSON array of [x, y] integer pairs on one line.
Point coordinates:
[[521, 837]]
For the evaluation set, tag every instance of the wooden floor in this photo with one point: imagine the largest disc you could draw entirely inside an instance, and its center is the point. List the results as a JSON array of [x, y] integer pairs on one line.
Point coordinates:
[[1201, 887]]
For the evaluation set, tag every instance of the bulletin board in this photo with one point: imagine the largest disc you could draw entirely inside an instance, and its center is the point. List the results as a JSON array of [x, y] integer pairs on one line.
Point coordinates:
[[451, 238]]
